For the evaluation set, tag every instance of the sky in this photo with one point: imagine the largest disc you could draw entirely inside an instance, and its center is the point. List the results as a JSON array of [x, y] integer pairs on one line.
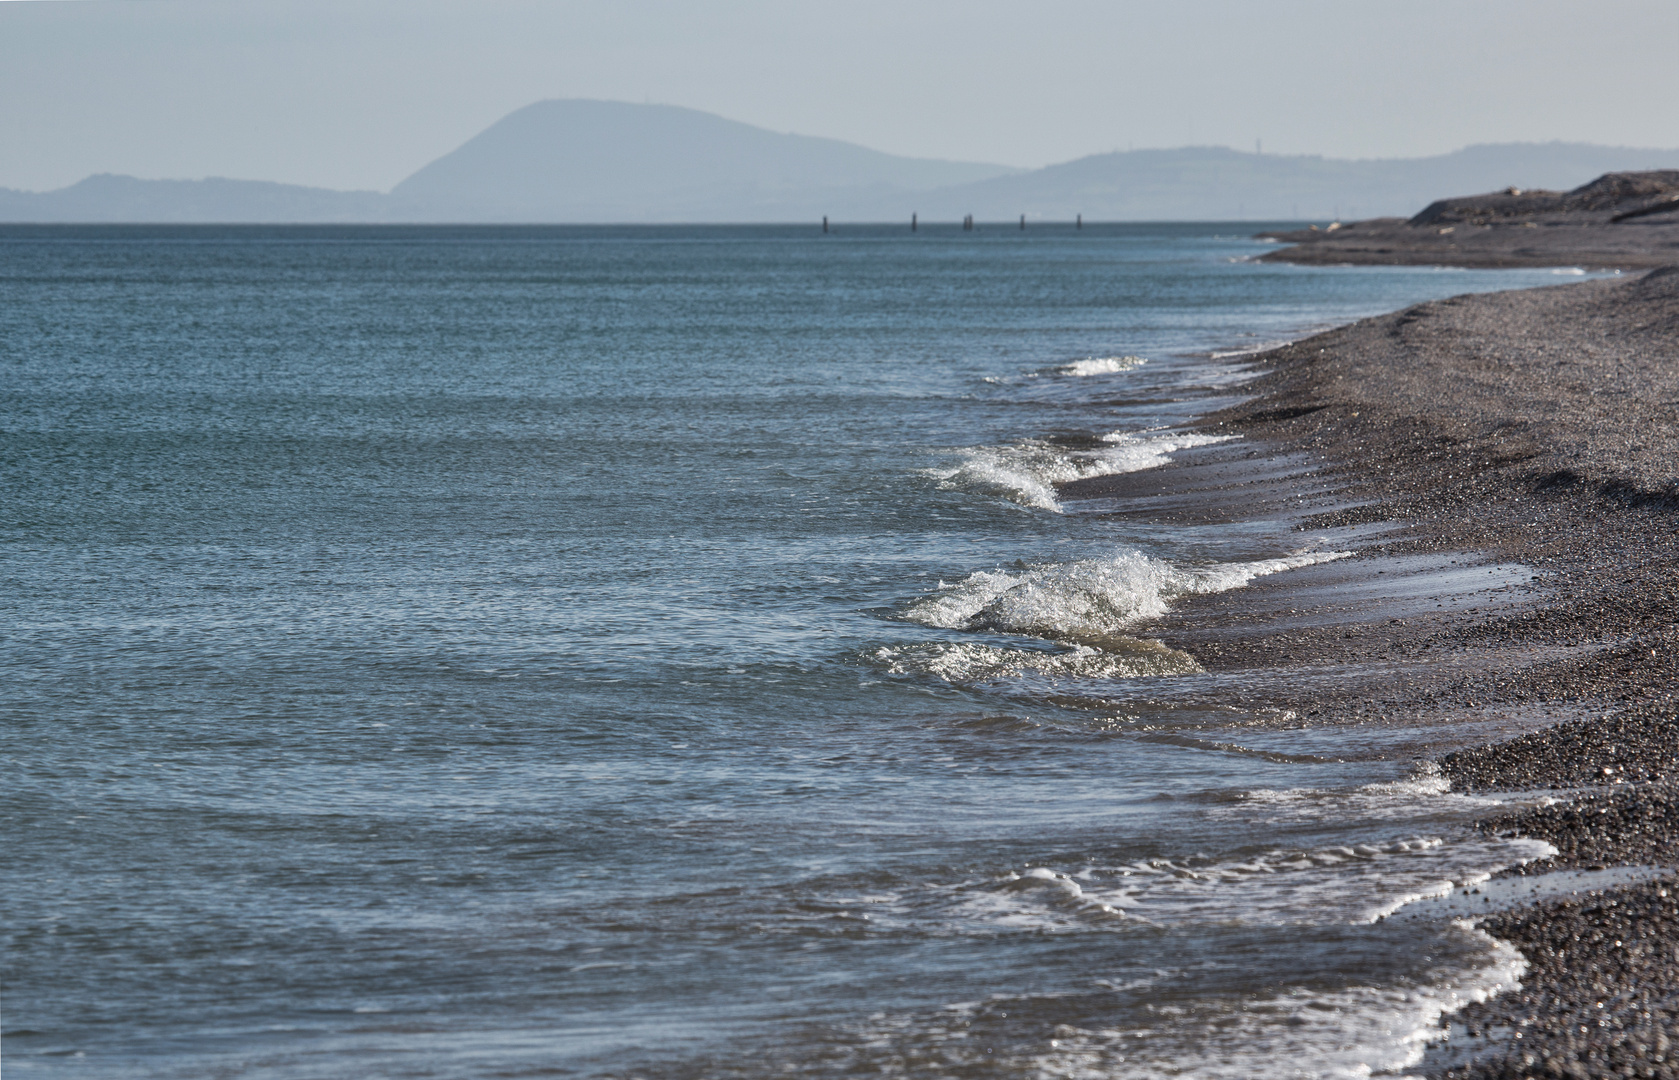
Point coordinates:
[[357, 94]]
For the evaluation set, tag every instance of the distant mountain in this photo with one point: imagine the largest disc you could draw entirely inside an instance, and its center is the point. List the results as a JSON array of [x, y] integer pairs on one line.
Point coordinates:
[[613, 161], [111, 198], [1215, 183], [604, 161]]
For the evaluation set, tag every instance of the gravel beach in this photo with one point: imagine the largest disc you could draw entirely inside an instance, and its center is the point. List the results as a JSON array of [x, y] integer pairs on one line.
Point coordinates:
[[1538, 429]]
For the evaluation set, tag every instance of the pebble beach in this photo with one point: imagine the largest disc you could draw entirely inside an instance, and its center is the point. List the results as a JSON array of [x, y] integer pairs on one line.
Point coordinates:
[[1537, 428]]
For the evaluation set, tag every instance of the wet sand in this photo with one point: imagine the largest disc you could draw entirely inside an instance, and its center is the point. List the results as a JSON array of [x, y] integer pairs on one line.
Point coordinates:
[[1507, 469]]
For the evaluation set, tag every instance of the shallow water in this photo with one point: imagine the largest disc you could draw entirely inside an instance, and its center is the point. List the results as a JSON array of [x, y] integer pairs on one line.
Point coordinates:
[[663, 652]]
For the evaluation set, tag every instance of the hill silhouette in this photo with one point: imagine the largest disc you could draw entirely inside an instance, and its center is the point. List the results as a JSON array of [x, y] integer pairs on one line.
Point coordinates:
[[108, 198], [575, 161], [1216, 183], [613, 161]]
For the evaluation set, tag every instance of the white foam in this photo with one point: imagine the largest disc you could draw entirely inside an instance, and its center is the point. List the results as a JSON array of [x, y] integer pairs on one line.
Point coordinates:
[[1089, 599], [1100, 365], [1342, 884], [1386, 801], [974, 662], [1027, 472], [1349, 883], [1288, 1032], [1357, 1032]]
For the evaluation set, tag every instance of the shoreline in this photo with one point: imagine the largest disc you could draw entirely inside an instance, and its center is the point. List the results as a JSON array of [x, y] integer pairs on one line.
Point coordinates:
[[1532, 437], [1384, 242]]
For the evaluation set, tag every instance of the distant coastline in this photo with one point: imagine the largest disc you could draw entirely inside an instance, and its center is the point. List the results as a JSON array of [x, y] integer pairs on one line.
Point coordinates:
[[1619, 221], [599, 162]]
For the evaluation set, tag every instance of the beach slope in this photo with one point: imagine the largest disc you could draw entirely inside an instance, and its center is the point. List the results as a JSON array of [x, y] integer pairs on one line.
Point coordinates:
[[1536, 428]]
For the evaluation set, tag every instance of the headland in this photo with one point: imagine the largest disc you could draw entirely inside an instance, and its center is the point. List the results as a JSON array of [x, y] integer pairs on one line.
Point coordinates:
[[1619, 221]]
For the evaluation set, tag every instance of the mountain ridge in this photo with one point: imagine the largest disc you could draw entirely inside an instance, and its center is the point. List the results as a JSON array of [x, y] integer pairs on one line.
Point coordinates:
[[1218, 183], [512, 169], [579, 161]]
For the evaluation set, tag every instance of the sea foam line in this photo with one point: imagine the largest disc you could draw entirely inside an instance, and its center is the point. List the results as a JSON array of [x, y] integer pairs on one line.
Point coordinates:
[[977, 662], [1357, 1032], [1345, 884]]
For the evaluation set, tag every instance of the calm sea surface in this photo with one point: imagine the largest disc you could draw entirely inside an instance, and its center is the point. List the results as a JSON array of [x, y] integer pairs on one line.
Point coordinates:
[[663, 652]]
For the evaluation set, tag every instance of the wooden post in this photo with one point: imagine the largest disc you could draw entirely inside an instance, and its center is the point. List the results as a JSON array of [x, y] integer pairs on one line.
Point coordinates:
[[1022, 222], [912, 222], [1078, 223], [824, 222]]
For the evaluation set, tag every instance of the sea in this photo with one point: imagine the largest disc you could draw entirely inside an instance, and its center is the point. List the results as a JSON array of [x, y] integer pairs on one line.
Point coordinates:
[[665, 652]]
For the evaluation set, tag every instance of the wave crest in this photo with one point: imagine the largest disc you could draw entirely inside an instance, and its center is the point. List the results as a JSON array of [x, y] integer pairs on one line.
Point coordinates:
[[971, 662], [1088, 600], [1028, 471], [1100, 365]]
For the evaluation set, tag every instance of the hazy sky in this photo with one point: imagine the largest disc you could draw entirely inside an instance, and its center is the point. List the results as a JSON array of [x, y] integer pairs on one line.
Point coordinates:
[[359, 93]]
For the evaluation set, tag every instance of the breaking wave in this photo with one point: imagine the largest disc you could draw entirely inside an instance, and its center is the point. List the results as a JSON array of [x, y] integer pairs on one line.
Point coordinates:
[[974, 662], [1027, 472], [1090, 601]]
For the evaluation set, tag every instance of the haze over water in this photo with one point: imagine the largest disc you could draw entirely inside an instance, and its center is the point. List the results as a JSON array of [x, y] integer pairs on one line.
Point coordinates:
[[664, 652]]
